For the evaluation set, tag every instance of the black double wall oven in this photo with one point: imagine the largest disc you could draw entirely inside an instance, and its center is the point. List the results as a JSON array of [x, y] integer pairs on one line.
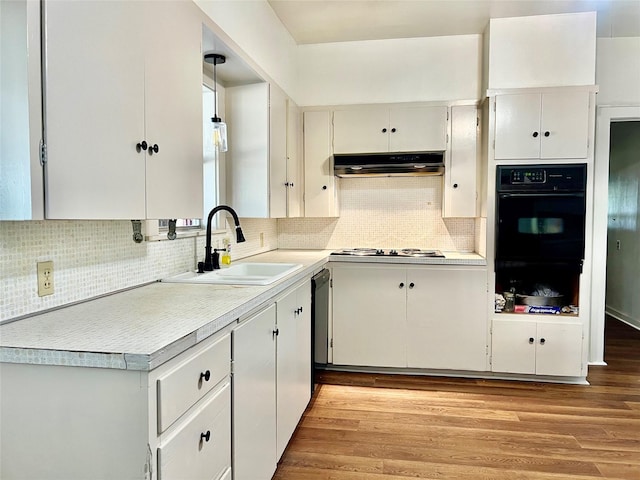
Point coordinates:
[[540, 227]]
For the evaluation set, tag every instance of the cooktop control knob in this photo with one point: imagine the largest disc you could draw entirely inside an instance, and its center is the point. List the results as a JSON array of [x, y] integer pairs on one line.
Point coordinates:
[[379, 252], [393, 252]]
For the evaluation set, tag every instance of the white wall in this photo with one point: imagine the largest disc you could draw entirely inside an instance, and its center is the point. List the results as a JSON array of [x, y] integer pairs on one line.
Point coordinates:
[[257, 30], [618, 71], [542, 51], [388, 71]]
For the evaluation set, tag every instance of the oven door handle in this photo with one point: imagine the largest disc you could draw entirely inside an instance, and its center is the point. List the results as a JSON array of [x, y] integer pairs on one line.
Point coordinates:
[[542, 194]]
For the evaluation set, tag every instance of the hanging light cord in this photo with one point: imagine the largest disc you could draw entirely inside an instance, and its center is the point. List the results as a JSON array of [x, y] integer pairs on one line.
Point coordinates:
[[215, 93]]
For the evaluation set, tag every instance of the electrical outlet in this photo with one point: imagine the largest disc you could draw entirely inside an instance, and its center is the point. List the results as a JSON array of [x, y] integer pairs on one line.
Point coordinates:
[[261, 239], [45, 278]]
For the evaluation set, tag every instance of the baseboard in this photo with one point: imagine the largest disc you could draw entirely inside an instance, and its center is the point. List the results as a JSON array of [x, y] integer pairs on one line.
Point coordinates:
[[632, 322]]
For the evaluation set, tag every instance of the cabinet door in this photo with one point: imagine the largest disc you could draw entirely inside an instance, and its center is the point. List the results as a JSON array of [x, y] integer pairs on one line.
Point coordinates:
[[565, 125], [173, 110], [320, 196], [460, 197], [446, 318], [247, 109], [362, 130], [254, 397], [513, 346], [559, 349], [293, 362], [369, 316], [277, 153], [418, 129], [94, 81], [517, 132], [294, 161]]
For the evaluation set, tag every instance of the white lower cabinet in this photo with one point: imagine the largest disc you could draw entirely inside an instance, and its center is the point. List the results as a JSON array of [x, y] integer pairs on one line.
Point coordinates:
[[271, 382], [201, 449], [111, 424], [369, 316], [293, 362], [540, 348], [420, 317], [254, 397]]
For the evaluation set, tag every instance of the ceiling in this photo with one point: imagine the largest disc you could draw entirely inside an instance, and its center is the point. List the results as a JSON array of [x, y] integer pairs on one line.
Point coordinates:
[[322, 21]]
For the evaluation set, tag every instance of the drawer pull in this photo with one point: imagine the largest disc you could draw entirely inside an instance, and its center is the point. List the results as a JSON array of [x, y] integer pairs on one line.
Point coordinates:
[[206, 375], [205, 436]]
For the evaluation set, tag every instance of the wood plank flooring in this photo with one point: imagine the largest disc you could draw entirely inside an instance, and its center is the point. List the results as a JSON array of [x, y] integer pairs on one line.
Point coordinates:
[[392, 427]]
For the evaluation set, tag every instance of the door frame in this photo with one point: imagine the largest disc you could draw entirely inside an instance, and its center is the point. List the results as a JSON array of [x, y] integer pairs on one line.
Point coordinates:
[[605, 116]]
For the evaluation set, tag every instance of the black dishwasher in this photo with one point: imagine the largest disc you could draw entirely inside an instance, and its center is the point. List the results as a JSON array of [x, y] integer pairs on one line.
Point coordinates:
[[319, 321]]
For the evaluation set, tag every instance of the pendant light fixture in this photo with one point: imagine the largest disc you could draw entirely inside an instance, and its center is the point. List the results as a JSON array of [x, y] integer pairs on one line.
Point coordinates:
[[219, 127]]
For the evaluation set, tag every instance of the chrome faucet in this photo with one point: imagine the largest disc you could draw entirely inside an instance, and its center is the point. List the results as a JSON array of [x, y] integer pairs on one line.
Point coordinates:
[[210, 259]]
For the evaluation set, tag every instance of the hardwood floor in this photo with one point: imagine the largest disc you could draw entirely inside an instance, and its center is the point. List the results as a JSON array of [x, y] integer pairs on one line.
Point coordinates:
[[391, 427]]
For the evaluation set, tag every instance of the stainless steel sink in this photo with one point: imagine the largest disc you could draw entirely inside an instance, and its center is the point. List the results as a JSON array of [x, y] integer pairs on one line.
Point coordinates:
[[239, 274]]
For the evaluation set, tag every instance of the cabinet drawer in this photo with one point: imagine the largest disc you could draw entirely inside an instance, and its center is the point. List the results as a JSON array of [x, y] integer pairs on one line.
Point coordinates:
[[188, 454], [190, 380]]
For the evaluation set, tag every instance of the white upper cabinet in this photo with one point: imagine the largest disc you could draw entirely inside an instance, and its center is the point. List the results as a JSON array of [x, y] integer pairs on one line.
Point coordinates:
[[320, 190], [278, 152], [418, 129], [294, 161], [461, 173], [140, 84], [21, 195], [258, 158], [384, 129], [542, 125], [173, 110]]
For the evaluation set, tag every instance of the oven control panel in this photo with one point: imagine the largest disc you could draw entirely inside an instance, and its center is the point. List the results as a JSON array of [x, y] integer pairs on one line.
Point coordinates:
[[537, 175], [541, 178]]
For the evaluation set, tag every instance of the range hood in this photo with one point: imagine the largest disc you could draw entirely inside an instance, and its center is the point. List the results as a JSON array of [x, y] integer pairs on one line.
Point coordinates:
[[388, 164]]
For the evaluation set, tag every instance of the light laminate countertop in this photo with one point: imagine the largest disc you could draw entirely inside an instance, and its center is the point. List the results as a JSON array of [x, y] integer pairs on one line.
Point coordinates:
[[141, 328]]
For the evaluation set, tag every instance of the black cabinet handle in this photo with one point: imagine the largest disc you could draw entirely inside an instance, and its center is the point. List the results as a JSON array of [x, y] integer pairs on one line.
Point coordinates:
[[455, 185], [546, 134], [393, 130], [542, 340], [324, 187], [206, 375], [205, 436], [286, 184], [531, 340], [411, 285], [401, 285], [154, 149], [141, 146], [535, 134], [276, 332], [384, 130]]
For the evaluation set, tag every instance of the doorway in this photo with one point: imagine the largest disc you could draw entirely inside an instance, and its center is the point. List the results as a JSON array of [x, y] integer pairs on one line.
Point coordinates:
[[611, 137], [623, 232]]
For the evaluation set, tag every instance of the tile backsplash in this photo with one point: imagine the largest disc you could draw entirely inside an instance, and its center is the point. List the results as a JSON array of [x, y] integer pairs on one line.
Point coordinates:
[[92, 258], [383, 212]]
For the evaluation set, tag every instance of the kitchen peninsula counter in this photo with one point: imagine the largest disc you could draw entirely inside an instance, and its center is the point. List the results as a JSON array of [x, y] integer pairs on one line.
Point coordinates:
[[143, 327]]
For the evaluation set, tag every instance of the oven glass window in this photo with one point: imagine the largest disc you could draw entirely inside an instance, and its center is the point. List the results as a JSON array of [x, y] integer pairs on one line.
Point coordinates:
[[540, 226]]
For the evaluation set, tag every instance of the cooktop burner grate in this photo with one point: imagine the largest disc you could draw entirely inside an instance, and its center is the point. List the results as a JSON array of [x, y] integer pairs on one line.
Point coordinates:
[[379, 252]]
